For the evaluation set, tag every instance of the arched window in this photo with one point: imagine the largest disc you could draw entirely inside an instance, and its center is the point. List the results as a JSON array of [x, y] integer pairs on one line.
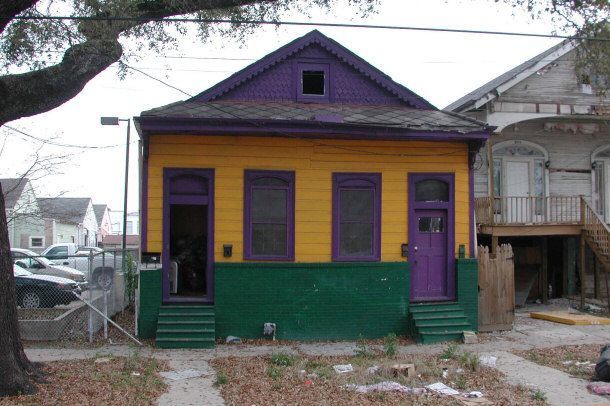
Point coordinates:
[[600, 165], [519, 169]]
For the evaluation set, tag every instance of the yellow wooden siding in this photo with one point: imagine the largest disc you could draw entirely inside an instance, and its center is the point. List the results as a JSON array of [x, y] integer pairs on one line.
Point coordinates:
[[313, 166]]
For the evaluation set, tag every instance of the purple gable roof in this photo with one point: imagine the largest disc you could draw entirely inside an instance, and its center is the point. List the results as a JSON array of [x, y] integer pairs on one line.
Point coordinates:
[[354, 81]]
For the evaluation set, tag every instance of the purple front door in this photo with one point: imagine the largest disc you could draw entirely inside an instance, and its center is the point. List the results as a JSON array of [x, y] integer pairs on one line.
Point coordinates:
[[431, 236], [428, 256]]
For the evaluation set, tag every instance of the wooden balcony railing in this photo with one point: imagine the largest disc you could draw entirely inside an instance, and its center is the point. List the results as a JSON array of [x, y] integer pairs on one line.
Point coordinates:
[[596, 228], [526, 210]]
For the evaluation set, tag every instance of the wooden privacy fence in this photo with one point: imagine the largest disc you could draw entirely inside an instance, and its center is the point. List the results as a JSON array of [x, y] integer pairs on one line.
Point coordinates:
[[496, 288]]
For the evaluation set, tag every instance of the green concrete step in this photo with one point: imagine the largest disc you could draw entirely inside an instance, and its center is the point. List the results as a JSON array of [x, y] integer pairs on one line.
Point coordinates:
[[424, 307], [438, 314], [184, 343], [439, 337], [439, 320], [444, 328], [186, 326]]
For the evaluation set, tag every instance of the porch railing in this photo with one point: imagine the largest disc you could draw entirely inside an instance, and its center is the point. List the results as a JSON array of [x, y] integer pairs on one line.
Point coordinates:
[[596, 228], [514, 210]]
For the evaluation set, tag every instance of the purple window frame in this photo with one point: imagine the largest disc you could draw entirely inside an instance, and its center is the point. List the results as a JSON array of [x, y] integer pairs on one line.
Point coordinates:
[[303, 66], [249, 177], [356, 181]]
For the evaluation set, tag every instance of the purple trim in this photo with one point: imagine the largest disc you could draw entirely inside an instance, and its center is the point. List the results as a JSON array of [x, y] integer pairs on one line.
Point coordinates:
[[357, 181], [208, 174], [286, 176], [471, 154], [449, 206], [144, 197], [315, 37], [298, 77], [307, 129]]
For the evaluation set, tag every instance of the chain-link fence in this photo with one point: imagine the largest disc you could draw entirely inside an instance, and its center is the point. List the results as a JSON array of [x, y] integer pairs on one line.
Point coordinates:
[[67, 297]]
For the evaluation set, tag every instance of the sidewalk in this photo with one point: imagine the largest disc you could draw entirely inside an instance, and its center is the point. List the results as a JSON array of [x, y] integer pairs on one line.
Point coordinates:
[[528, 333]]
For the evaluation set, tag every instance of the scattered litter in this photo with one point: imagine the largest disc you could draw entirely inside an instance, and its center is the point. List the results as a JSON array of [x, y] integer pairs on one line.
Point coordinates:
[[601, 388], [135, 373], [567, 362], [441, 388], [308, 383], [372, 370], [585, 363], [593, 308], [387, 386], [341, 369], [473, 394], [233, 340], [470, 337], [405, 369], [302, 371], [445, 373], [489, 361], [102, 360], [459, 370], [184, 374], [312, 375], [444, 359]]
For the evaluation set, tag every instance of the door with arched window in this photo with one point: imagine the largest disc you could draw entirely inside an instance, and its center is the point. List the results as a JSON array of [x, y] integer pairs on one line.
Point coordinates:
[[188, 227], [519, 178], [431, 236], [600, 163]]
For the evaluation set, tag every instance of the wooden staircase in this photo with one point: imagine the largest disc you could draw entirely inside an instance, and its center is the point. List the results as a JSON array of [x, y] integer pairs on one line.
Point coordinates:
[[185, 326], [596, 234], [438, 322]]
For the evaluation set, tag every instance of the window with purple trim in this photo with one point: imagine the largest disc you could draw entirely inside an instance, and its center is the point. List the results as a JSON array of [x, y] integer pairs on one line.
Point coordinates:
[[269, 215], [313, 82], [356, 217]]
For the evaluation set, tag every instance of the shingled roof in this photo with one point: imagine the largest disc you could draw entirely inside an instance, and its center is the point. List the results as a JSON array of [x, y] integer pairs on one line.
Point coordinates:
[[291, 113], [66, 209], [466, 102], [12, 188], [99, 210]]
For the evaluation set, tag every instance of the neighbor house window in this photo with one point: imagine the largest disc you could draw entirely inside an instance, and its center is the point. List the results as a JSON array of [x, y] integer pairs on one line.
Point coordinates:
[[356, 217], [36, 242], [269, 215], [313, 82]]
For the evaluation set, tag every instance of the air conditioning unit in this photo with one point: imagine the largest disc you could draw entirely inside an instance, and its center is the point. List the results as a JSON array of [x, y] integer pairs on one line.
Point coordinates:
[[173, 277]]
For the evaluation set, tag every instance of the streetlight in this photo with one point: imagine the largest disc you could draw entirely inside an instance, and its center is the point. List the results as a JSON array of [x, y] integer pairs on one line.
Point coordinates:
[[115, 121]]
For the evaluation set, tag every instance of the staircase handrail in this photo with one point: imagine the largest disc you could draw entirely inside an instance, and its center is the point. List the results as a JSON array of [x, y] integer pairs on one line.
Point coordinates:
[[600, 222]]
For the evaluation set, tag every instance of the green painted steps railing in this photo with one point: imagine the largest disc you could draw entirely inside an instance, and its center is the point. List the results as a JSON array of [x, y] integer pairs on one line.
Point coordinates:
[[438, 322], [186, 326]]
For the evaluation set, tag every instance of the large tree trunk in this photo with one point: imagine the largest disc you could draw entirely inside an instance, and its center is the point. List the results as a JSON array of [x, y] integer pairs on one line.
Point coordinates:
[[17, 373]]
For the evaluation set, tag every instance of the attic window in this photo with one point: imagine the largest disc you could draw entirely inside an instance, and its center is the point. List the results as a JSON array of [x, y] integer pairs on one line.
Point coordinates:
[[313, 82]]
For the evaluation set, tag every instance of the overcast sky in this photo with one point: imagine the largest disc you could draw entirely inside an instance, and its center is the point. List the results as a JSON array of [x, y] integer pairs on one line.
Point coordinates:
[[441, 67]]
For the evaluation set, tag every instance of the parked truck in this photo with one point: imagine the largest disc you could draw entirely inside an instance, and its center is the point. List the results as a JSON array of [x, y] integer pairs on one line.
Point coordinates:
[[103, 267]]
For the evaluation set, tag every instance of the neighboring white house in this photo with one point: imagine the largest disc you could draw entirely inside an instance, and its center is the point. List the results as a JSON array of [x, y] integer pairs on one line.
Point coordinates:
[[102, 215], [69, 219], [133, 222], [25, 226], [545, 177]]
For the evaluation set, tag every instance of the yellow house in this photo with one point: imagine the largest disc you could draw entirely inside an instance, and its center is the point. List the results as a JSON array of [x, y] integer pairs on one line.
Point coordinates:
[[307, 196]]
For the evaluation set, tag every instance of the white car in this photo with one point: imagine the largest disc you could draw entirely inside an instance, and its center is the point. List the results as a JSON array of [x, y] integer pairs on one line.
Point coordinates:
[[36, 264]]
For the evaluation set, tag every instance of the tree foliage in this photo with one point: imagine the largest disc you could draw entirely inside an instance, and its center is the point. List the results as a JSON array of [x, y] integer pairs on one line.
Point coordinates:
[[583, 19]]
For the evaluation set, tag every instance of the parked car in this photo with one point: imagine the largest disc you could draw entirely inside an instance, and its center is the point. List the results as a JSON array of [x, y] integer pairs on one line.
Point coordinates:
[[35, 291], [102, 272], [36, 264]]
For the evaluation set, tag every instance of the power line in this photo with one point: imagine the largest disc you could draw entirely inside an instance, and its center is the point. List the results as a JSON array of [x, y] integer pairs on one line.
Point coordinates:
[[297, 23], [60, 144]]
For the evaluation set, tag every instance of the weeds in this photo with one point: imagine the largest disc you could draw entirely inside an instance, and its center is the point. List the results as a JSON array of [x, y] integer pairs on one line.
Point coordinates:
[[221, 378], [283, 359], [361, 350], [451, 352], [390, 344], [274, 372], [539, 395]]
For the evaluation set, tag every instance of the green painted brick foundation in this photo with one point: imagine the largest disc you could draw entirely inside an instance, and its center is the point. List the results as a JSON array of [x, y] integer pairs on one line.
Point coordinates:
[[150, 299], [323, 301], [467, 271]]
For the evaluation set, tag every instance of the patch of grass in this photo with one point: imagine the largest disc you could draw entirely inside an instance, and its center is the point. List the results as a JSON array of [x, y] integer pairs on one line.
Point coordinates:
[[451, 352], [470, 361], [221, 378], [460, 382], [283, 359], [362, 351], [539, 395], [274, 372], [390, 344]]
